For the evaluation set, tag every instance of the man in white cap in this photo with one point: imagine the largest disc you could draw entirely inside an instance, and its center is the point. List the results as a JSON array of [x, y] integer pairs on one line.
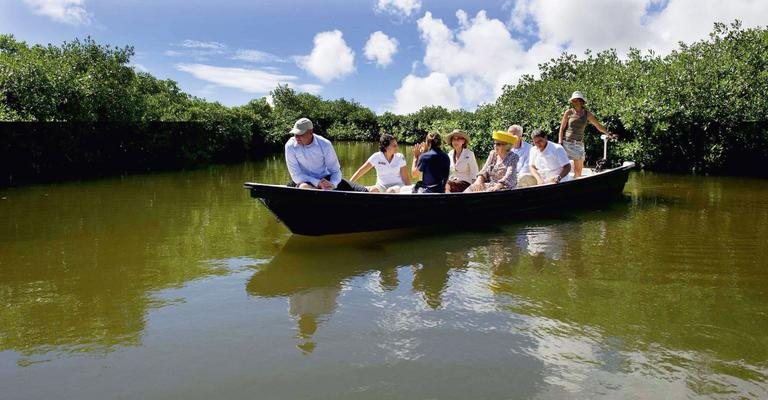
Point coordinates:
[[548, 161], [312, 162], [523, 150]]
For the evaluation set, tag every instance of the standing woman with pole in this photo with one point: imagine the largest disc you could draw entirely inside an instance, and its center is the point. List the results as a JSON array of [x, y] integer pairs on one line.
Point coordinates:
[[572, 130]]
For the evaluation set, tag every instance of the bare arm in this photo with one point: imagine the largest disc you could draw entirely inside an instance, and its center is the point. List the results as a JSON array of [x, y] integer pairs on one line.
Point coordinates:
[[563, 173], [415, 169], [563, 124], [417, 150], [480, 179], [404, 175], [361, 171], [592, 120]]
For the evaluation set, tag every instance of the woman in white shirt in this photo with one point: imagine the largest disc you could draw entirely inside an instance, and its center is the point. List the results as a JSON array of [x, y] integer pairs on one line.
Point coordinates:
[[463, 162], [391, 168]]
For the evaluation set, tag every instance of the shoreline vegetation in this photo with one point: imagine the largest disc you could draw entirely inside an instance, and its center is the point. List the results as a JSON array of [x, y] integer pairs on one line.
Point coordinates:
[[80, 110]]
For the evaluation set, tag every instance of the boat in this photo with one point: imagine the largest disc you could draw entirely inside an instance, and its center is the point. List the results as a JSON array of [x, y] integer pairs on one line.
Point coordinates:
[[327, 212]]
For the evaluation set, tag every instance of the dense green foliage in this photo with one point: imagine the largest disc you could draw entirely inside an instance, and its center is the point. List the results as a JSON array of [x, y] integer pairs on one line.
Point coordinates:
[[80, 109], [701, 108], [339, 119]]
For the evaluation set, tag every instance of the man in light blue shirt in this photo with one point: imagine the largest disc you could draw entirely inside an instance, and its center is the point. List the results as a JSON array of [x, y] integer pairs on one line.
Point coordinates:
[[312, 162], [523, 151]]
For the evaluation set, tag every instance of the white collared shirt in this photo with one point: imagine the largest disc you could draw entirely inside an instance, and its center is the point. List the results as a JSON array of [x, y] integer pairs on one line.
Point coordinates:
[[550, 162]]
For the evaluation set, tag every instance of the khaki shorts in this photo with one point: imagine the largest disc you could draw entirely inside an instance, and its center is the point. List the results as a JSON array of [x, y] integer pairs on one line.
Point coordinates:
[[526, 180], [575, 150]]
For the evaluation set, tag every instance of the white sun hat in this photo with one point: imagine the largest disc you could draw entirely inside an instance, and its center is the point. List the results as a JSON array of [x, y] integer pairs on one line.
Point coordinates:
[[578, 95]]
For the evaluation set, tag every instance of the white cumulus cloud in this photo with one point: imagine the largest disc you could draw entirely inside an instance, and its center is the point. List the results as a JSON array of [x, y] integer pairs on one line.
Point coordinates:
[[481, 50], [403, 8], [433, 90], [475, 60], [627, 23], [604, 24], [381, 48], [687, 20], [479, 55], [247, 80], [71, 12], [330, 59]]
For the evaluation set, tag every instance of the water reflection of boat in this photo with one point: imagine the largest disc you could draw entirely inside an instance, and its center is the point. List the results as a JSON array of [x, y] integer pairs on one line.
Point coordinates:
[[311, 274], [362, 212], [304, 264]]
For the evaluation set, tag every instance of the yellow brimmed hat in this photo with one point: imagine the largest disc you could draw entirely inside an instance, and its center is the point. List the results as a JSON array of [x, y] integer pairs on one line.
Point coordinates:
[[505, 137]]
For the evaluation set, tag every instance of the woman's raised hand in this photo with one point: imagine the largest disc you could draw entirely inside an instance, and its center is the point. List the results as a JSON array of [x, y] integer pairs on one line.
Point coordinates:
[[418, 148]]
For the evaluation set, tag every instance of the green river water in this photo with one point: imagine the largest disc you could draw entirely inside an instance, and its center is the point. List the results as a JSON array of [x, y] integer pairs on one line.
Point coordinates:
[[179, 285]]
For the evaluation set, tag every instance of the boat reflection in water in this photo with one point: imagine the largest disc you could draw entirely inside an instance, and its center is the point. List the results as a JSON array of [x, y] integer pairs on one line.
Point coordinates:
[[312, 273], [312, 284]]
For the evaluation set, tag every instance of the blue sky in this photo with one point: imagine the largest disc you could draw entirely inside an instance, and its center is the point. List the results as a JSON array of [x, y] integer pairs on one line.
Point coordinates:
[[389, 55]]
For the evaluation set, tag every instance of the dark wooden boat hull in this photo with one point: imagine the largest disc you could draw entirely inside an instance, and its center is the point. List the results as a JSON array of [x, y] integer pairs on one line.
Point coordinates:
[[321, 212]]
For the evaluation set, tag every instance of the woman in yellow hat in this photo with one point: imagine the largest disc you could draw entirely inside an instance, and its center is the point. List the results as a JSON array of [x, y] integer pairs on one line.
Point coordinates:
[[500, 169]]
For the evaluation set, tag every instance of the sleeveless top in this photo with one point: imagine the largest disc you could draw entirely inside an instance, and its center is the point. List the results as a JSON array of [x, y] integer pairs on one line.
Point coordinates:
[[576, 126]]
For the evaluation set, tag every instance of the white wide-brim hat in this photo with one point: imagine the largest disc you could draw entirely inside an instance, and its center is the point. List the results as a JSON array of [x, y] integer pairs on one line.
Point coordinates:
[[578, 95]]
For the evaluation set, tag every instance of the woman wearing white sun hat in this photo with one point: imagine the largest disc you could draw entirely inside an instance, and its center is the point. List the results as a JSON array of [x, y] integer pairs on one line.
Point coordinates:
[[572, 130]]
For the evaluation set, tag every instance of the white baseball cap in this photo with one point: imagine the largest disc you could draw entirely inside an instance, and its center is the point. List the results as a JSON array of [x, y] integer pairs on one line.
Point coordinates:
[[301, 126]]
